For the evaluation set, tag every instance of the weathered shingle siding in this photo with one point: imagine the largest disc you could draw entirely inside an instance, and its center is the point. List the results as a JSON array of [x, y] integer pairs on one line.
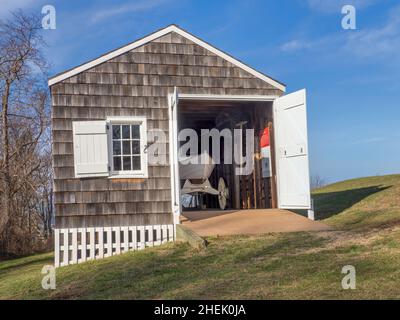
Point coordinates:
[[134, 84]]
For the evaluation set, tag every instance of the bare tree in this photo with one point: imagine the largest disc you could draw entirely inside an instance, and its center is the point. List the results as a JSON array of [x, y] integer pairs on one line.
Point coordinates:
[[24, 127], [44, 196], [317, 182]]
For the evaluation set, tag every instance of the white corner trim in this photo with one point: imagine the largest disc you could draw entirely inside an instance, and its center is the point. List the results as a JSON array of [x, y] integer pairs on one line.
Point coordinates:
[[173, 100], [154, 36]]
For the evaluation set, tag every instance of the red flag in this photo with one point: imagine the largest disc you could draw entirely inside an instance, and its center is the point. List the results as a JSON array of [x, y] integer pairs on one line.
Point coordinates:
[[264, 141]]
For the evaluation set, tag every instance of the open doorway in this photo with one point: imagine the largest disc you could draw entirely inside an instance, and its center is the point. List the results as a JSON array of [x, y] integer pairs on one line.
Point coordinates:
[[253, 190]]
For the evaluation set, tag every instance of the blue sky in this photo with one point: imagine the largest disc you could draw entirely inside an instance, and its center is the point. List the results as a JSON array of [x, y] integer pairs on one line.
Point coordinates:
[[352, 76]]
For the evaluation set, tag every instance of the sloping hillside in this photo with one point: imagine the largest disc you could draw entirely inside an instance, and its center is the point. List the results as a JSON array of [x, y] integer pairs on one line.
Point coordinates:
[[365, 213], [360, 204]]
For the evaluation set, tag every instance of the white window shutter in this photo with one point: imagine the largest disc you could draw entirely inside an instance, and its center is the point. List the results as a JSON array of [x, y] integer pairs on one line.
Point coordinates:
[[90, 149]]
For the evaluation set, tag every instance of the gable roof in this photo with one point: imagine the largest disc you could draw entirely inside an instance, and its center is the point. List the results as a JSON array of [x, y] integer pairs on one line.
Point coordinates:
[[171, 28]]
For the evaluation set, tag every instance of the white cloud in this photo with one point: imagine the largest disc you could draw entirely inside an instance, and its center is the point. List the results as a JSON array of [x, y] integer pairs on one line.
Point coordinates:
[[369, 140], [379, 43], [140, 6], [335, 6], [9, 5], [294, 45]]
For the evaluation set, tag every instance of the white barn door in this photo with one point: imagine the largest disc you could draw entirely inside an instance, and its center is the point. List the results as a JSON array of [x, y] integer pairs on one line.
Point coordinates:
[[291, 149]]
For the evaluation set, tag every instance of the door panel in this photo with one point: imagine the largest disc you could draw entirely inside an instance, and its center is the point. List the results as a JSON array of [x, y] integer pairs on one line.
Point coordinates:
[[293, 181]]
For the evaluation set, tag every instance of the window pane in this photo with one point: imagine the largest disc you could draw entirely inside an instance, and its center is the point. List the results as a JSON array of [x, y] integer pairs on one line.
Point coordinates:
[[116, 132], [117, 163], [127, 163], [126, 147], [125, 132], [116, 147], [136, 163], [135, 147], [136, 132]]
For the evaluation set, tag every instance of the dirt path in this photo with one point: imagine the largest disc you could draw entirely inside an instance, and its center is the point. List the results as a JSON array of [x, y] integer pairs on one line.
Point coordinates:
[[221, 223]]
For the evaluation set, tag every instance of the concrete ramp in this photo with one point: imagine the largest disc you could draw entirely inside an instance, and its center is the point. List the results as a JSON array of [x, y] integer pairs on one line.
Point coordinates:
[[212, 223]]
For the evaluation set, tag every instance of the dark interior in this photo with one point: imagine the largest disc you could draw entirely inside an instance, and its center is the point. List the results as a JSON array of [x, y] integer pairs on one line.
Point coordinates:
[[245, 191]]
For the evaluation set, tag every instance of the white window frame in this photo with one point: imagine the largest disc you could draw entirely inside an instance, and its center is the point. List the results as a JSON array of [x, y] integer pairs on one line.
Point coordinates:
[[142, 121]]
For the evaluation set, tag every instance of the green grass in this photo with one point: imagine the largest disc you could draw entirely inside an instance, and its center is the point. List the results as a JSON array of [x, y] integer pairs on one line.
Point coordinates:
[[360, 204], [364, 212]]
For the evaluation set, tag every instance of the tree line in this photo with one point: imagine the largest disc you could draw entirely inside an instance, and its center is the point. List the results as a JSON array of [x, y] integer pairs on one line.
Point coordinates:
[[26, 203]]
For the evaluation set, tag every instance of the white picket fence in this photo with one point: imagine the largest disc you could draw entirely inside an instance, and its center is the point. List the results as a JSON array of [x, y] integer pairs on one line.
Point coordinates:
[[78, 245]]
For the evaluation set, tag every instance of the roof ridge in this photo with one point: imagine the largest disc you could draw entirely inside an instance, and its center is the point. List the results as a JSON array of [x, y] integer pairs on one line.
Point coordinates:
[[152, 36]]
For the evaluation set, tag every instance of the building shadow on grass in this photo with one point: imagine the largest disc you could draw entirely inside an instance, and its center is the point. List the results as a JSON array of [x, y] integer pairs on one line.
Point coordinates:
[[331, 203], [20, 264]]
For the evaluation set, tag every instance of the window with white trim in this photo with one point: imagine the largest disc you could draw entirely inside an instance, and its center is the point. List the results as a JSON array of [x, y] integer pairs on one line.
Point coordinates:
[[127, 142]]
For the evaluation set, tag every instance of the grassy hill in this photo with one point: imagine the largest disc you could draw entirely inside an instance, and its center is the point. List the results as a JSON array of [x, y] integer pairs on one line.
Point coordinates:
[[364, 212], [360, 204]]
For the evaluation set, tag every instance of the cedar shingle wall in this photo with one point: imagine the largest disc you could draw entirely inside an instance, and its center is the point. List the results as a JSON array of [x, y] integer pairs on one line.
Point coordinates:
[[134, 84]]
